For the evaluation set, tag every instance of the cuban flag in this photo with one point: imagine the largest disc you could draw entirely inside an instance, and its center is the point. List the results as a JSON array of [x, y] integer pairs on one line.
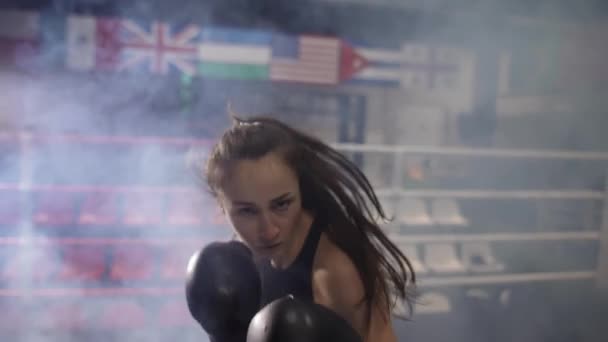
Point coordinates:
[[412, 66]]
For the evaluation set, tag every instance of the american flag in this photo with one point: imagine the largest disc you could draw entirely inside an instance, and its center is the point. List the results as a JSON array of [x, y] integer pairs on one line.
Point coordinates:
[[160, 47], [305, 59]]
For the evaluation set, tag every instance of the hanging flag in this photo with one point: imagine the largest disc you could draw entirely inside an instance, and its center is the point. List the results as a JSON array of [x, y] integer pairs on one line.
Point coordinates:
[[19, 32], [351, 62], [82, 45], [414, 66], [159, 46], [53, 47], [234, 54], [305, 59], [383, 67]]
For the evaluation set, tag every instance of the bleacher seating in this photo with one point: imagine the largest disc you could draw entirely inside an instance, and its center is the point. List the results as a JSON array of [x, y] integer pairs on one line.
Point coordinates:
[[131, 262], [478, 257], [142, 209], [173, 262], [413, 212], [184, 209], [442, 258], [412, 252], [99, 208], [433, 303], [55, 208], [82, 263], [446, 211]]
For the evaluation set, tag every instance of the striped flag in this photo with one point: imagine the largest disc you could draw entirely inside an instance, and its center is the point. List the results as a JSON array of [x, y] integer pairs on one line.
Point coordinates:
[[234, 53], [414, 66], [305, 59], [92, 43], [383, 68]]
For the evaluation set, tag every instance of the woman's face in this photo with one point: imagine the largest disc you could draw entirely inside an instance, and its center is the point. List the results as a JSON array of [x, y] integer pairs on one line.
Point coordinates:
[[261, 199]]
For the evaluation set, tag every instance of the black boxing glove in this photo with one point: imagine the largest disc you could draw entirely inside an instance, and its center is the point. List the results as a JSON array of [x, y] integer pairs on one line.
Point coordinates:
[[294, 320], [223, 290]]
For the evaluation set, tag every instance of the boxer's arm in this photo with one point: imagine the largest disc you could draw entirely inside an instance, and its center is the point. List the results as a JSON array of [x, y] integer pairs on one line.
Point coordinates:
[[338, 286]]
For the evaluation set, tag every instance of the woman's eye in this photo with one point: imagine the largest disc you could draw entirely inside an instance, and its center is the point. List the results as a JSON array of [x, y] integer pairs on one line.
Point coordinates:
[[246, 211], [282, 205]]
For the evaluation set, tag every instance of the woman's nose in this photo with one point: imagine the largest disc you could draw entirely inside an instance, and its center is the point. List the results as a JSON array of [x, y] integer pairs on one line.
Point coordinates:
[[268, 229]]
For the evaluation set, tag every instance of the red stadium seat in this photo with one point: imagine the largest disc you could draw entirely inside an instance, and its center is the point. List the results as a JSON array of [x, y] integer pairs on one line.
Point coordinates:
[[185, 209], [55, 208], [143, 209], [82, 263], [132, 263], [99, 208], [174, 262]]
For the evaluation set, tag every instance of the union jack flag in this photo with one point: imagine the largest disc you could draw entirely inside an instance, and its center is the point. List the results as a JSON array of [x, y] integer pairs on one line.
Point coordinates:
[[160, 48]]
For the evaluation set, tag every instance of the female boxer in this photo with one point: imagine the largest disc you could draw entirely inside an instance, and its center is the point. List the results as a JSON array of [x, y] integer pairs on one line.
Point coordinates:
[[310, 217]]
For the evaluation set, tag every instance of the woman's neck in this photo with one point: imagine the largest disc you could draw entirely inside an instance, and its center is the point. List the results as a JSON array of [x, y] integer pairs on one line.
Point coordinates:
[[297, 242]]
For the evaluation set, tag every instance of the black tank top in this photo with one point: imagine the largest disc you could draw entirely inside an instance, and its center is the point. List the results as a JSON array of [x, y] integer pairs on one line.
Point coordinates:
[[296, 279]]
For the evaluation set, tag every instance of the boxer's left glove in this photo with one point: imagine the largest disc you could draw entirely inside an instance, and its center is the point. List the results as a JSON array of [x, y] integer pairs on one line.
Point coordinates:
[[223, 290], [292, 320]]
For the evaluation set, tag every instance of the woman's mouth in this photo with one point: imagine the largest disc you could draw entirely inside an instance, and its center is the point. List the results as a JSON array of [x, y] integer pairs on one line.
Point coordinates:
[[270, 247]]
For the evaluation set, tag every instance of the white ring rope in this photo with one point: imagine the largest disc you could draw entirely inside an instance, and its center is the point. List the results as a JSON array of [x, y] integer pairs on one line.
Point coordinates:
[[506, 278], [474, 152], [102, 139], [396, 238], [422, 282], [78, 292], [473, 194], [490, 237], [447, 151], [94, 241], [495, 194]]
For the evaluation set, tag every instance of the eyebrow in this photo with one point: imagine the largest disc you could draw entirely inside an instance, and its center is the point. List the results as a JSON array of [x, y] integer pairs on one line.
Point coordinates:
[[276, 199]]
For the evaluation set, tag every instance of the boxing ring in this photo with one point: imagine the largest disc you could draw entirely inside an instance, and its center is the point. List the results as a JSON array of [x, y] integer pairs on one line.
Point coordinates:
[[70, 222], [457, 272]]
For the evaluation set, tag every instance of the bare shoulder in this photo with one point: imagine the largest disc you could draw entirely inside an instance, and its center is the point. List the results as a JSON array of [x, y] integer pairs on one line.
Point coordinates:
[[337, 284], [336, 274]]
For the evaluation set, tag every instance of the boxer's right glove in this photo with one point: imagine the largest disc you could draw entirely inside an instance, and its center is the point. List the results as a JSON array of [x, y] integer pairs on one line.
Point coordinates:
[[223, 290]]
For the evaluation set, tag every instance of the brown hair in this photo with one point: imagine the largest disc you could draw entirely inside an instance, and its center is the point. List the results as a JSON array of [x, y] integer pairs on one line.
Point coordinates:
[[329, 183]]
